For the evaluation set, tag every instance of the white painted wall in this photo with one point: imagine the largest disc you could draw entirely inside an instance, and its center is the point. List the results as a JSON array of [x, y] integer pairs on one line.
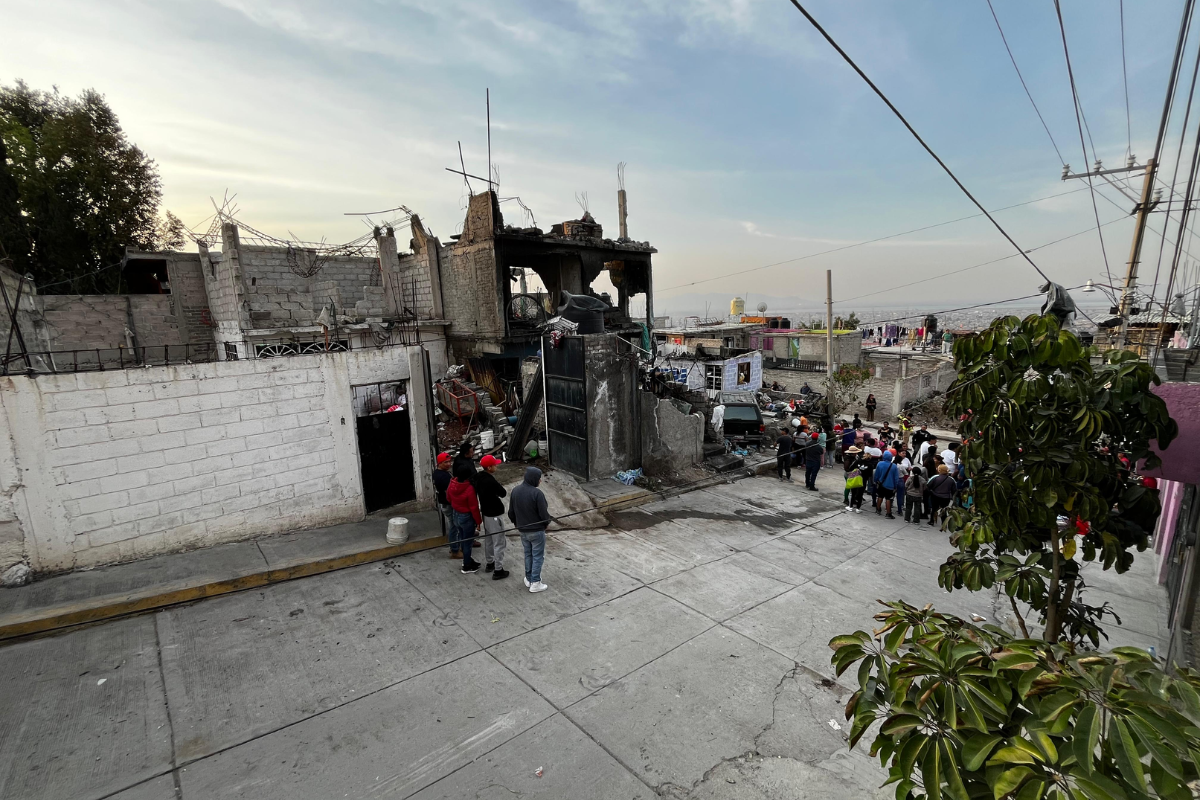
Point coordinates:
[[123, 464]]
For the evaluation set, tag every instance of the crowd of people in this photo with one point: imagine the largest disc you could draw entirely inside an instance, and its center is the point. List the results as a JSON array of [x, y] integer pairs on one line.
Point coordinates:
[[905, 472], [472, 501]]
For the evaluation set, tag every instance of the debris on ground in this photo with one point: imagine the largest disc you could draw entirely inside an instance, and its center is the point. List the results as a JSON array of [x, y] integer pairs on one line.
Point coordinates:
[[17, 575]]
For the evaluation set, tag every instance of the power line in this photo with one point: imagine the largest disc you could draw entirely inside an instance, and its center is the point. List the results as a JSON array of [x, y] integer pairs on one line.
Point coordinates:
[[962, 308], [866, 242], [1021, 78], [977, 266], [1079, 123], [917, 136], [1175, 179], [1125, 78]]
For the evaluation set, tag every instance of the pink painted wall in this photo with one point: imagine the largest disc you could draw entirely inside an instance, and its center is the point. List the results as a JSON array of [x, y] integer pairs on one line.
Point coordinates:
[[1171, 497], [1181, 460]]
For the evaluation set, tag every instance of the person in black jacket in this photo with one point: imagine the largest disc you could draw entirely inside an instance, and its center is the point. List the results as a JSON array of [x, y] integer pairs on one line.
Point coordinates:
[[465, 457], [492, 506], [441, 482]]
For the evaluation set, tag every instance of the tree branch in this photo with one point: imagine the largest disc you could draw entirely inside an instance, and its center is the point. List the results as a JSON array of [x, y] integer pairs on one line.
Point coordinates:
[[1020, 620]]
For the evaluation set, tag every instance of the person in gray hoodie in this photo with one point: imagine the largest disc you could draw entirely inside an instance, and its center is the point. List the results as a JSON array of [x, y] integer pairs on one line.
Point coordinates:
[[527, 510]]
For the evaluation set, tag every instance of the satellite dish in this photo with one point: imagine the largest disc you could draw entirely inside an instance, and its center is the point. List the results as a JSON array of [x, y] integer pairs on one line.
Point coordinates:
[[762, 308]]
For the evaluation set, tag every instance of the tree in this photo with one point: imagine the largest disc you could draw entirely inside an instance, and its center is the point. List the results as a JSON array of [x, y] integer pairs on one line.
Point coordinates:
[[1050, 445], [74, 192], [966, 711], [841, 390]]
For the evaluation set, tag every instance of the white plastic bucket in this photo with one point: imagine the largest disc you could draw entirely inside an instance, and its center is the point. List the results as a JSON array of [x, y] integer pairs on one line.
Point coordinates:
[[544, 448], [397, 532], [487, 440]]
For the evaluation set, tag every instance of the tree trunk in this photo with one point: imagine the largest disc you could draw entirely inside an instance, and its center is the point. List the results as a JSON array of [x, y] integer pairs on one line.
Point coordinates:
[[1053, 607]]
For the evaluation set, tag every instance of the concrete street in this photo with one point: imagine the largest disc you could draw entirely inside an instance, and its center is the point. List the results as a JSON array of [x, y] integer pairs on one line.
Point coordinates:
[[679, 653]]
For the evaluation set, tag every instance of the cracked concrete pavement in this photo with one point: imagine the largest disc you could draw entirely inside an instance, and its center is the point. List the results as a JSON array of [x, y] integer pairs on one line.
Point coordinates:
[[680, 652]]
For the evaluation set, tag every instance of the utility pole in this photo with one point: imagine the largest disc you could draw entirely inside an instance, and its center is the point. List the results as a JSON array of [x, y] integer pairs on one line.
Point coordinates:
[[1149, 199], [828, 329]]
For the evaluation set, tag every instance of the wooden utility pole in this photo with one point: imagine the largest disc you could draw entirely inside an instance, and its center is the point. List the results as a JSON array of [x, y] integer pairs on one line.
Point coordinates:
[[1147, 203], [1135, 251], [828, 328]]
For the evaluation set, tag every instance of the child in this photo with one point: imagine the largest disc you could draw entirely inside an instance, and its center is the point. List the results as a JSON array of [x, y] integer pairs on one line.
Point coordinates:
[[853, 495]]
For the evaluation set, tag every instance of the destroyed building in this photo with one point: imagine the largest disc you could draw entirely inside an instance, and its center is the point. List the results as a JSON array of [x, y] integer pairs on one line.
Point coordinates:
[[260, 385]]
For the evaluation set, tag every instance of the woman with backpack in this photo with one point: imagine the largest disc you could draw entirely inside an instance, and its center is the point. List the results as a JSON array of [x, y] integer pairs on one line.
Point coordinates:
[[940, 491]]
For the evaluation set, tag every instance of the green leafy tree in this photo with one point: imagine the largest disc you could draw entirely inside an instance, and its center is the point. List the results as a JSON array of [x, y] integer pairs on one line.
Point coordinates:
[[1050, 442], [74, 192], [842, 389], [967, 712]]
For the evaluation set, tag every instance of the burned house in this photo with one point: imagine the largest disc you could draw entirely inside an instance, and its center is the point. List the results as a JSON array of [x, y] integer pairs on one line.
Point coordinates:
[[480, 279]]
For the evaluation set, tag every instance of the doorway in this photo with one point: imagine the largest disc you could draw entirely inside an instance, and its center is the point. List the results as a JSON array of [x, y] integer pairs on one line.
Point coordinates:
[[384, 444]]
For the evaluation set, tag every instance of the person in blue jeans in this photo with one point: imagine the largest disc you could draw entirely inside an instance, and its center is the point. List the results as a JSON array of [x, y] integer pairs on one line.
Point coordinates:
[[887, 479], [467, 517], [527, 510]]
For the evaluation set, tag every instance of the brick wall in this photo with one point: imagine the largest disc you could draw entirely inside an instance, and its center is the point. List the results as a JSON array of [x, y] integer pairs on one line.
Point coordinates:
[[123, 464]]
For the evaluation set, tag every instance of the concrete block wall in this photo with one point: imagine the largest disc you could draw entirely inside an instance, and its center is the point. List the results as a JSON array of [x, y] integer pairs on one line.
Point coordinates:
[[471, 296], [414, 282], [190, 298], [153, 321], [671, 440], [81, 322], [122, 464], [614, 430]]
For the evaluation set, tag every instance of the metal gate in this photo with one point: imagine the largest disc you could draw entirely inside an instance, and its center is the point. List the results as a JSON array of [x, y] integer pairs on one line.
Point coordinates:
[[566, 404]]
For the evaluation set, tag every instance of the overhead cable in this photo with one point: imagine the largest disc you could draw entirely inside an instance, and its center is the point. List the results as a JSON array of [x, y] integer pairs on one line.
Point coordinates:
[[866, 242], [1020, 250], [1021, 78], [1125, 79], [1079, 123], [975, 266]]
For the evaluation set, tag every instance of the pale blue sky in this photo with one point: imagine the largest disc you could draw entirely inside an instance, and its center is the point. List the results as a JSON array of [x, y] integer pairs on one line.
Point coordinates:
[[748, 140]]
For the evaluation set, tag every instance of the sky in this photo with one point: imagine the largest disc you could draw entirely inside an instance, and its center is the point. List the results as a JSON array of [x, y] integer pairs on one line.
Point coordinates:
[[748, 140]]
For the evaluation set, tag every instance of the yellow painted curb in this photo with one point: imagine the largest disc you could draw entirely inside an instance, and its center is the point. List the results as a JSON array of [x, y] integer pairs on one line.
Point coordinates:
[[24, 623]]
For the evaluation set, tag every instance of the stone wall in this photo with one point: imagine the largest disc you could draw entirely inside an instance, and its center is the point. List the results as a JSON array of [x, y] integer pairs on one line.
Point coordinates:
[[472, 295], [122, 464]]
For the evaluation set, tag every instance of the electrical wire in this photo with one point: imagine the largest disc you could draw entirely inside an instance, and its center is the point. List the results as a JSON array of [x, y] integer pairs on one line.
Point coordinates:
[[977, 266], [1125, 79], [1079, 123], [1020, 250], [862, 243], [1175, 179], [1021, 78], [964, 308]]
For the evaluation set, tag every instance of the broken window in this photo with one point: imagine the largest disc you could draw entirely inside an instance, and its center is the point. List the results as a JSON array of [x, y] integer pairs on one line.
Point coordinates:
[[231, 351], [743, 373], [712, 376]]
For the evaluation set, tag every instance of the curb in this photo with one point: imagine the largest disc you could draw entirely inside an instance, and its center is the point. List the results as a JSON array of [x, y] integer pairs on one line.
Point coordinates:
[[97, 609]]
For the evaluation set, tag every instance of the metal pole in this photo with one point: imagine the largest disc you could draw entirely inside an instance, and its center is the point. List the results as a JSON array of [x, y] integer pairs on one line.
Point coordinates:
[[1135, 251], [828, 328], [488, 98]]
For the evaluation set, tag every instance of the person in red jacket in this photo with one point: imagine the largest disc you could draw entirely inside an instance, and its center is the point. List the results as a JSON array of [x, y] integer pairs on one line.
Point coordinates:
[[467, 519]]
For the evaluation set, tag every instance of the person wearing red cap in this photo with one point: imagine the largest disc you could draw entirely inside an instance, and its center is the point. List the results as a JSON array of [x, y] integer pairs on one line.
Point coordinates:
[[492, 507], [441, 482]]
